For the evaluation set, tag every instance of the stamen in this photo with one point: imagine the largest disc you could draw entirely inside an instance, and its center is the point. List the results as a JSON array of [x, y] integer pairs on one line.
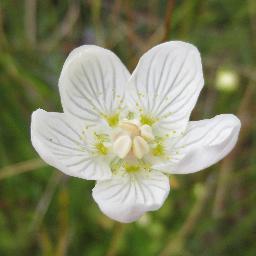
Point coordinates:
[[122, 145], [131, 128], [140, 147], [146, 132]]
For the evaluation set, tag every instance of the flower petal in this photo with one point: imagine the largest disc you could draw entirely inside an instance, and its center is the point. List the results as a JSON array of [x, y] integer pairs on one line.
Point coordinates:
[[92, 84], [58, 140], [127, 196], [166, 84], [203, 144]]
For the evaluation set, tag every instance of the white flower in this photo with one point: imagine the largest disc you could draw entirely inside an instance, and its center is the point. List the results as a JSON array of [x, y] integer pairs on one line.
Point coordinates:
[[128, 132]]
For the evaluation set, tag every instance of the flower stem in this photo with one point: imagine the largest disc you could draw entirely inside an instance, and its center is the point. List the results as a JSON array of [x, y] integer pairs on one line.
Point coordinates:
[[21, 167]]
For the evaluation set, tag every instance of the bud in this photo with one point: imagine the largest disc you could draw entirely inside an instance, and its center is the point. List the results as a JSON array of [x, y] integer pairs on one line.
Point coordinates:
[[226, 80]]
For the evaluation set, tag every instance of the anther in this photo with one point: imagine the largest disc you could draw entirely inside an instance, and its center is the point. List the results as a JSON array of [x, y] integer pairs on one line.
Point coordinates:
[[131, 128], [146, 132], [122, 145], [140, 147]]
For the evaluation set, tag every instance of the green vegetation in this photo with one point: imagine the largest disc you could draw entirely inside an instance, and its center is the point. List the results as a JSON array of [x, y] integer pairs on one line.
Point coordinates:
[[42, 212]]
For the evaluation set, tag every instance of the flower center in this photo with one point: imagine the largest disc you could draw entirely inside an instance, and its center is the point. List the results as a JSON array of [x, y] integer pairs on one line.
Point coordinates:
[[132, 139]]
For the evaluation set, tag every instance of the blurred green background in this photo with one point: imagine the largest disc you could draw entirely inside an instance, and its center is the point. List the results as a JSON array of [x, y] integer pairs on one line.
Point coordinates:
[[42, 212]]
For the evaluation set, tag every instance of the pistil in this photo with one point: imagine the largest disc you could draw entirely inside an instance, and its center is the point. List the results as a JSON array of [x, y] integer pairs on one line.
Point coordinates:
[[132, 139]]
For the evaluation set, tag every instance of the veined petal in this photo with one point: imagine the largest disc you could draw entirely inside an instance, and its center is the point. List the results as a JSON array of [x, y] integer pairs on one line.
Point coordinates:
[[92, 84], [59, 141], [127, 196], [203, 144], [166, 84]]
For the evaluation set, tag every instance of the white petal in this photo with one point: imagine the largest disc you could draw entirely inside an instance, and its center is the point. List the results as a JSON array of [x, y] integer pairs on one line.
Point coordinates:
[[92, 84], [127, 196], [57, 139], [166, 83], [203, 144]]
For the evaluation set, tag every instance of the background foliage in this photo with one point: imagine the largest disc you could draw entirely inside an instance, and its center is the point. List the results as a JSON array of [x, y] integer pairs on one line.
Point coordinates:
[[45, 213]]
